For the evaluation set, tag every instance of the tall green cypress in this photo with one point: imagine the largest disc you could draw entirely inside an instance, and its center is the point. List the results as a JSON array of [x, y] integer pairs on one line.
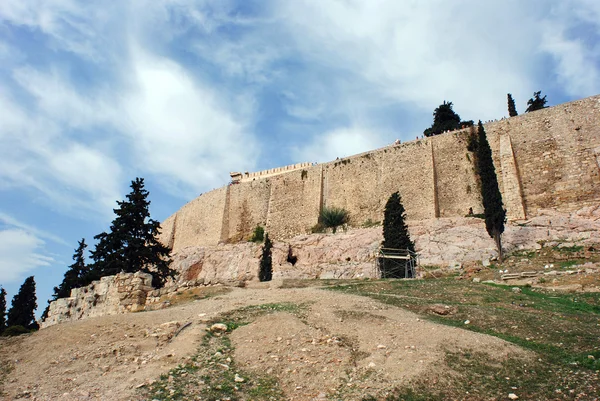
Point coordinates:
[[395, 236], [265, 271], [23, 306], [512, 109], [2, 310], [395, 230], [495, 214]]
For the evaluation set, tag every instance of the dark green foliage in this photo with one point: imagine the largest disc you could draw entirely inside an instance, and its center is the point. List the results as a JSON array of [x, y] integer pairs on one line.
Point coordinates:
[[445, 119], [512, 110], [395, 230], [2, 310], [536, 102], [494, 212], [333, 217], [258, 235], [265, 272], [132, 244], [15, 331], [23, 306], [75, 275]]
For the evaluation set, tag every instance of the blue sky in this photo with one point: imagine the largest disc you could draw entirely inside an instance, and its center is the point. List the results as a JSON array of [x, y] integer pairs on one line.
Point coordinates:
[[181, 92]]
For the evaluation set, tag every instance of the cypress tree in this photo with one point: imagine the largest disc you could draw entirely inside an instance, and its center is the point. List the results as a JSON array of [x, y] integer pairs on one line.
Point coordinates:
[[395, 230], [132, 244], [395, 236], [2, 310], [265, 272], [512, 110], [494, 212], [23, 306]]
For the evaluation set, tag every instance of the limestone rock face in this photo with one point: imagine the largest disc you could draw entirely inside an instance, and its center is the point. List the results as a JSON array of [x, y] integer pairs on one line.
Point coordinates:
[[125, 292], [351, 254]]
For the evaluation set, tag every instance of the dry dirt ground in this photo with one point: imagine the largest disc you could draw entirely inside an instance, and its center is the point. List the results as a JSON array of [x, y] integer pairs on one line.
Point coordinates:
[[339, 343]]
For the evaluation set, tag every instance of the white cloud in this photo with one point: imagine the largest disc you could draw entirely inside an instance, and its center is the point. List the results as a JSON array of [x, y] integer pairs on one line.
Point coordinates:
[[340, 142], [19, 254], [11, 221], [181, 129], [36, 154]]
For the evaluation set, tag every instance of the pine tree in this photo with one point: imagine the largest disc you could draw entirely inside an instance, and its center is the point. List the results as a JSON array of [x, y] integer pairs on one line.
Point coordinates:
[[75, 275], [512, 109], [132, 244], [494, 212], [536, 102], [265, 272], [445, 119], [2, 310], [23, 306]]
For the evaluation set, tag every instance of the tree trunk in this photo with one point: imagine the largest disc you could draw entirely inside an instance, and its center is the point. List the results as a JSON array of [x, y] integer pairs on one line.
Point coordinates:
[[498, 240]]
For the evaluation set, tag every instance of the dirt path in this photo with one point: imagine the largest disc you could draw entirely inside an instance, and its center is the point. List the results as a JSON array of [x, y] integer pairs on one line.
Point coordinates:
[[342, 341]]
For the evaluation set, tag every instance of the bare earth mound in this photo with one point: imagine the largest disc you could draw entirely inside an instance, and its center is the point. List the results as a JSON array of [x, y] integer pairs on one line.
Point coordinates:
[[337, 344]]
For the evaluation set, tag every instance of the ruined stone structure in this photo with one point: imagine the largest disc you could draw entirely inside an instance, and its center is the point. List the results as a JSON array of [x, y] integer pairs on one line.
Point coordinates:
[[548, 159], [123, 293]]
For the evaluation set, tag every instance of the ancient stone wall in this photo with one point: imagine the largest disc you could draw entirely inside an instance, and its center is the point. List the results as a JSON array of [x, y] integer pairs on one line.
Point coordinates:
[[123, 293], [294, 203], [555, 152], [248, 206], [548, 159]]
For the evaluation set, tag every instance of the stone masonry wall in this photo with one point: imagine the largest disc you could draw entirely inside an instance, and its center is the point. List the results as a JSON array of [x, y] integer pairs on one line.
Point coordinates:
[[123, 293], [548, 159]]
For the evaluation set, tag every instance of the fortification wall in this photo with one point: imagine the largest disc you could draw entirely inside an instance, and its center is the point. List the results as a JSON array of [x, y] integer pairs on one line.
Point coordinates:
[[362, 184], [199, 222], [548, 159], [294, 203], [248, 206], [555, 153], [246, 177], [456, 183]]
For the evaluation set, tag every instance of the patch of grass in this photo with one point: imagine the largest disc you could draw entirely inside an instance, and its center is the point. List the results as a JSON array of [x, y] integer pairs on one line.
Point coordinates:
[[568, 249], [212, 373], [564, 264], [561, 329], [370, 223], [193, 294]]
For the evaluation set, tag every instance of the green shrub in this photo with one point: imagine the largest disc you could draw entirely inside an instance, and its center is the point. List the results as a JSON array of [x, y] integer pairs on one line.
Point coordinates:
[[370, 223], [333, 217], [15, 331], [258, 235]]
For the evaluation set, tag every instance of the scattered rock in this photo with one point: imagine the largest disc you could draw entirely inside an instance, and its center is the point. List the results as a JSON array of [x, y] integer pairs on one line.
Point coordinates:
[[443, 310], [513, 396], [239, 379], [477, 280], [218, 328], [516, 290]]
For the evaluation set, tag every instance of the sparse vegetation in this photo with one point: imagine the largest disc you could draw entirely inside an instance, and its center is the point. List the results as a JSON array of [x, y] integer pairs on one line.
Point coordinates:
[[304, 174], [370, 223], [333, 217], [561, 330], [258, 235]]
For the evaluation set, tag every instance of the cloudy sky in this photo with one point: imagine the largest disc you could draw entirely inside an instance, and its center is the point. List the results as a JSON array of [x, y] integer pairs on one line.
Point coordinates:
[[181, 92]]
